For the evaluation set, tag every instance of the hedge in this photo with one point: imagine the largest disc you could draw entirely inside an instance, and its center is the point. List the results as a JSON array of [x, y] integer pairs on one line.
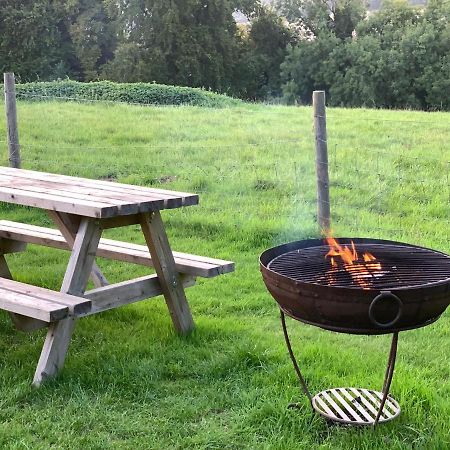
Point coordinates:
[[139, 93]]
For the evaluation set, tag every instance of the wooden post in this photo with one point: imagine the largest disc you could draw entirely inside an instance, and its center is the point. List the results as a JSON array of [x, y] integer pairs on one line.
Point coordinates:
[[323, 187], [11, 120]]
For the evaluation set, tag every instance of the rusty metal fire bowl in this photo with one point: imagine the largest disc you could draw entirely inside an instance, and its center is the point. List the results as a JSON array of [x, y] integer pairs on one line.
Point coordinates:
[[396, 287]]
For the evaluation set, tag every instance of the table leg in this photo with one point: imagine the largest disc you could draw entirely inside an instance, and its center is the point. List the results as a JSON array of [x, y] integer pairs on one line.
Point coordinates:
[[161, 253], [75, 280], [68, 227]]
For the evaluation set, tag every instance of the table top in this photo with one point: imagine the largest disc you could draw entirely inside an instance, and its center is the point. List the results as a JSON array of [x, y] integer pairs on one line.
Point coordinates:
[[83, 196]]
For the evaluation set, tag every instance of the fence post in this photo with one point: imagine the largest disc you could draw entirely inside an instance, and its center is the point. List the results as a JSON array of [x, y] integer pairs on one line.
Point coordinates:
[[11, 120], [323, 187]]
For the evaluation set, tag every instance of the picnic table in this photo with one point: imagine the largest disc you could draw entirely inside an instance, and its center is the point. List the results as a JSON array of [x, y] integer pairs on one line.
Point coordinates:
[[81, 209]]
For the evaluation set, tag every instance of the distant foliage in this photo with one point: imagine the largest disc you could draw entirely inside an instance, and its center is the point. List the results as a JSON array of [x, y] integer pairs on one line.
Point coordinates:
[[263, 49], [399, 58], [316, 17], [44, 39], [188, 43], [142, 93]]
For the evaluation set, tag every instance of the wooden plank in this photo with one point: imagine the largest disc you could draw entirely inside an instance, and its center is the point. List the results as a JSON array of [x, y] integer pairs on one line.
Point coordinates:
[[172, 199], [163, 261], [120, 221], [184, 262], [127, 292], [76, 305], [68, 227], [59, 334], [32, 234], [89, 190], [68, 197], [127, 203], [21, 322], [122, 251], [30, 306], [56, 202], [9, 246]]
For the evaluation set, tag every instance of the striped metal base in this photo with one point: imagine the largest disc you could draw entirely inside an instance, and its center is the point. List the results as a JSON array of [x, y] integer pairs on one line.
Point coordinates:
[[354, 406]]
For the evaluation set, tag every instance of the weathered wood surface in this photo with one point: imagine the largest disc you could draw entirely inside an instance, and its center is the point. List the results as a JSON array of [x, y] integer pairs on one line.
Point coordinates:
[[12, 131], [84, 197], [126, 292], [122, 251], [75, 280], [21, 322], [68, 225], [39, 303], [8, 246], [323, 183], [169, 279]]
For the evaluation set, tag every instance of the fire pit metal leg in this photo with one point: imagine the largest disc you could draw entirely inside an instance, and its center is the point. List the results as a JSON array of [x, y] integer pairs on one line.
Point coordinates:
[[294, 361], [388, 377], [355, 406]]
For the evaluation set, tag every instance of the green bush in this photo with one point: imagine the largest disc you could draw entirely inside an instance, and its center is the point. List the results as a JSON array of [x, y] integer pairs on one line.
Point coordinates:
[[399, 57], [140, 93]]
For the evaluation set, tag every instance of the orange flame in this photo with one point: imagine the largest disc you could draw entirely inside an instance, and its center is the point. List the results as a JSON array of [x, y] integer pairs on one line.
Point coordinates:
[[359, 269]]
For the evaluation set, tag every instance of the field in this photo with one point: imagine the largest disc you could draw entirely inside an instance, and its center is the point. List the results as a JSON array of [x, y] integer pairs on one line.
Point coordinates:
[[129, 381]]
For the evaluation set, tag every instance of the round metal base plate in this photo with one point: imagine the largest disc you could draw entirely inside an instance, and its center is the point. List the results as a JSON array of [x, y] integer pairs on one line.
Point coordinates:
[[354, 406]]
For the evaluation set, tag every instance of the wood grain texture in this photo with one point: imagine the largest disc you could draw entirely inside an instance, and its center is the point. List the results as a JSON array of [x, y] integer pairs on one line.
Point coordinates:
[[127, 292], [21, 322], [323, 183], [12, 130], [194, 265], [76, 277], [68, 226], [163, 261], [90, 198]]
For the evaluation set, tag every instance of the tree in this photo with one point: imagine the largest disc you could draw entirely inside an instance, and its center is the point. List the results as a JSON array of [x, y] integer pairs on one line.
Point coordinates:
[[47, 39], [183, 42], [399, 58], [265, 47], [32, 39], [92, 35], [314, 17], [304, 68]]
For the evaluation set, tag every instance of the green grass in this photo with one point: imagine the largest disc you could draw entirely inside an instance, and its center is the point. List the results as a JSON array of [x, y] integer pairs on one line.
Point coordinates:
[[129, 381]]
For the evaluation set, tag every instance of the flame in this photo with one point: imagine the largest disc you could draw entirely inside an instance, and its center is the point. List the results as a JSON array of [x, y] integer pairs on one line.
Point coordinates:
[[361, 270]]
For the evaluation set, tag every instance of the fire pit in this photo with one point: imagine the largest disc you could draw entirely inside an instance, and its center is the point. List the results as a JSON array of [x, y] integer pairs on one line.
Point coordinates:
[[357, 286]]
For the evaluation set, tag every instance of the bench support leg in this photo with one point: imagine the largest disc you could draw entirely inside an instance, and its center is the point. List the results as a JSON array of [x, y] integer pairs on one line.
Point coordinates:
[[68, 227], [75, 280], [162, 257]]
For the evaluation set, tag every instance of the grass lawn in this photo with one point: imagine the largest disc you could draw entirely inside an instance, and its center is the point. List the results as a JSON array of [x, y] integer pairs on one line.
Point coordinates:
[[129, 381]]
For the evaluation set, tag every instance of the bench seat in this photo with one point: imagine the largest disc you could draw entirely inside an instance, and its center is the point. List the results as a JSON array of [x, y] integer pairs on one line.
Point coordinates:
[[121, 251], [39, 303]]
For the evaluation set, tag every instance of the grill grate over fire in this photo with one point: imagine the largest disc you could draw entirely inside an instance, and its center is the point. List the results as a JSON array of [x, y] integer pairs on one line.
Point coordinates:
[[396, 266]]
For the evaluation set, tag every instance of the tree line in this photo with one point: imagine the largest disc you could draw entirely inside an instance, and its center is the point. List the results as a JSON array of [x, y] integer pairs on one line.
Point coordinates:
[[397, 57]]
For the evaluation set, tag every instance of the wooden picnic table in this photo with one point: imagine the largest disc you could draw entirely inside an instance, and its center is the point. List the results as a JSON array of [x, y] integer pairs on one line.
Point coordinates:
[[81, 209]]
